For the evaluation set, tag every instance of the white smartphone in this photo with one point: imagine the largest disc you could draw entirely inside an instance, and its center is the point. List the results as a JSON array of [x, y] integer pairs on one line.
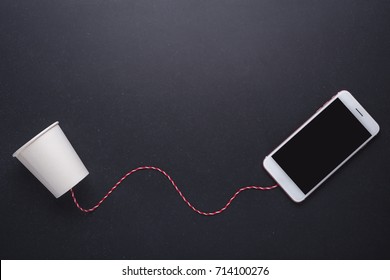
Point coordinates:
[[320, 146]]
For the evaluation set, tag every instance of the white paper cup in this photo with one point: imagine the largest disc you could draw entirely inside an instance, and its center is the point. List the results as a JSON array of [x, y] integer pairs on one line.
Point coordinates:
[[52, 159]]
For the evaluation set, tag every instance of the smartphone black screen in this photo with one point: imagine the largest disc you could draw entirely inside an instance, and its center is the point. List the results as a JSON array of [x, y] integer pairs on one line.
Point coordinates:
[[321, 146]]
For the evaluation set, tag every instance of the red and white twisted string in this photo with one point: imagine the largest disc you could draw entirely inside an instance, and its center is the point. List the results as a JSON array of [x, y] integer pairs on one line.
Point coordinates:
[[176, 188]]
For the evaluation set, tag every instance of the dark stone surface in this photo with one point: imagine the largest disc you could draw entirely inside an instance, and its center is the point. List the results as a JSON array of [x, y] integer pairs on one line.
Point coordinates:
[[204, 90]]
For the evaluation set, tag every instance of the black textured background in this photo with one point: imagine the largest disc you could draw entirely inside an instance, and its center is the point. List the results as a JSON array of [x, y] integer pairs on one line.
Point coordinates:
[[204, 90]]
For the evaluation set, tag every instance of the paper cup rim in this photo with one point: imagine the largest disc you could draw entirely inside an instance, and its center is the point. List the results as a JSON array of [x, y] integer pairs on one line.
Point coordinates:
[[34, 139]]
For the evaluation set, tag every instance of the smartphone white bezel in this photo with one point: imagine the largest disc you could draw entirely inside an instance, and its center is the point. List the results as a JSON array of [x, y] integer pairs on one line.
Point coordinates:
[[282, 178]]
